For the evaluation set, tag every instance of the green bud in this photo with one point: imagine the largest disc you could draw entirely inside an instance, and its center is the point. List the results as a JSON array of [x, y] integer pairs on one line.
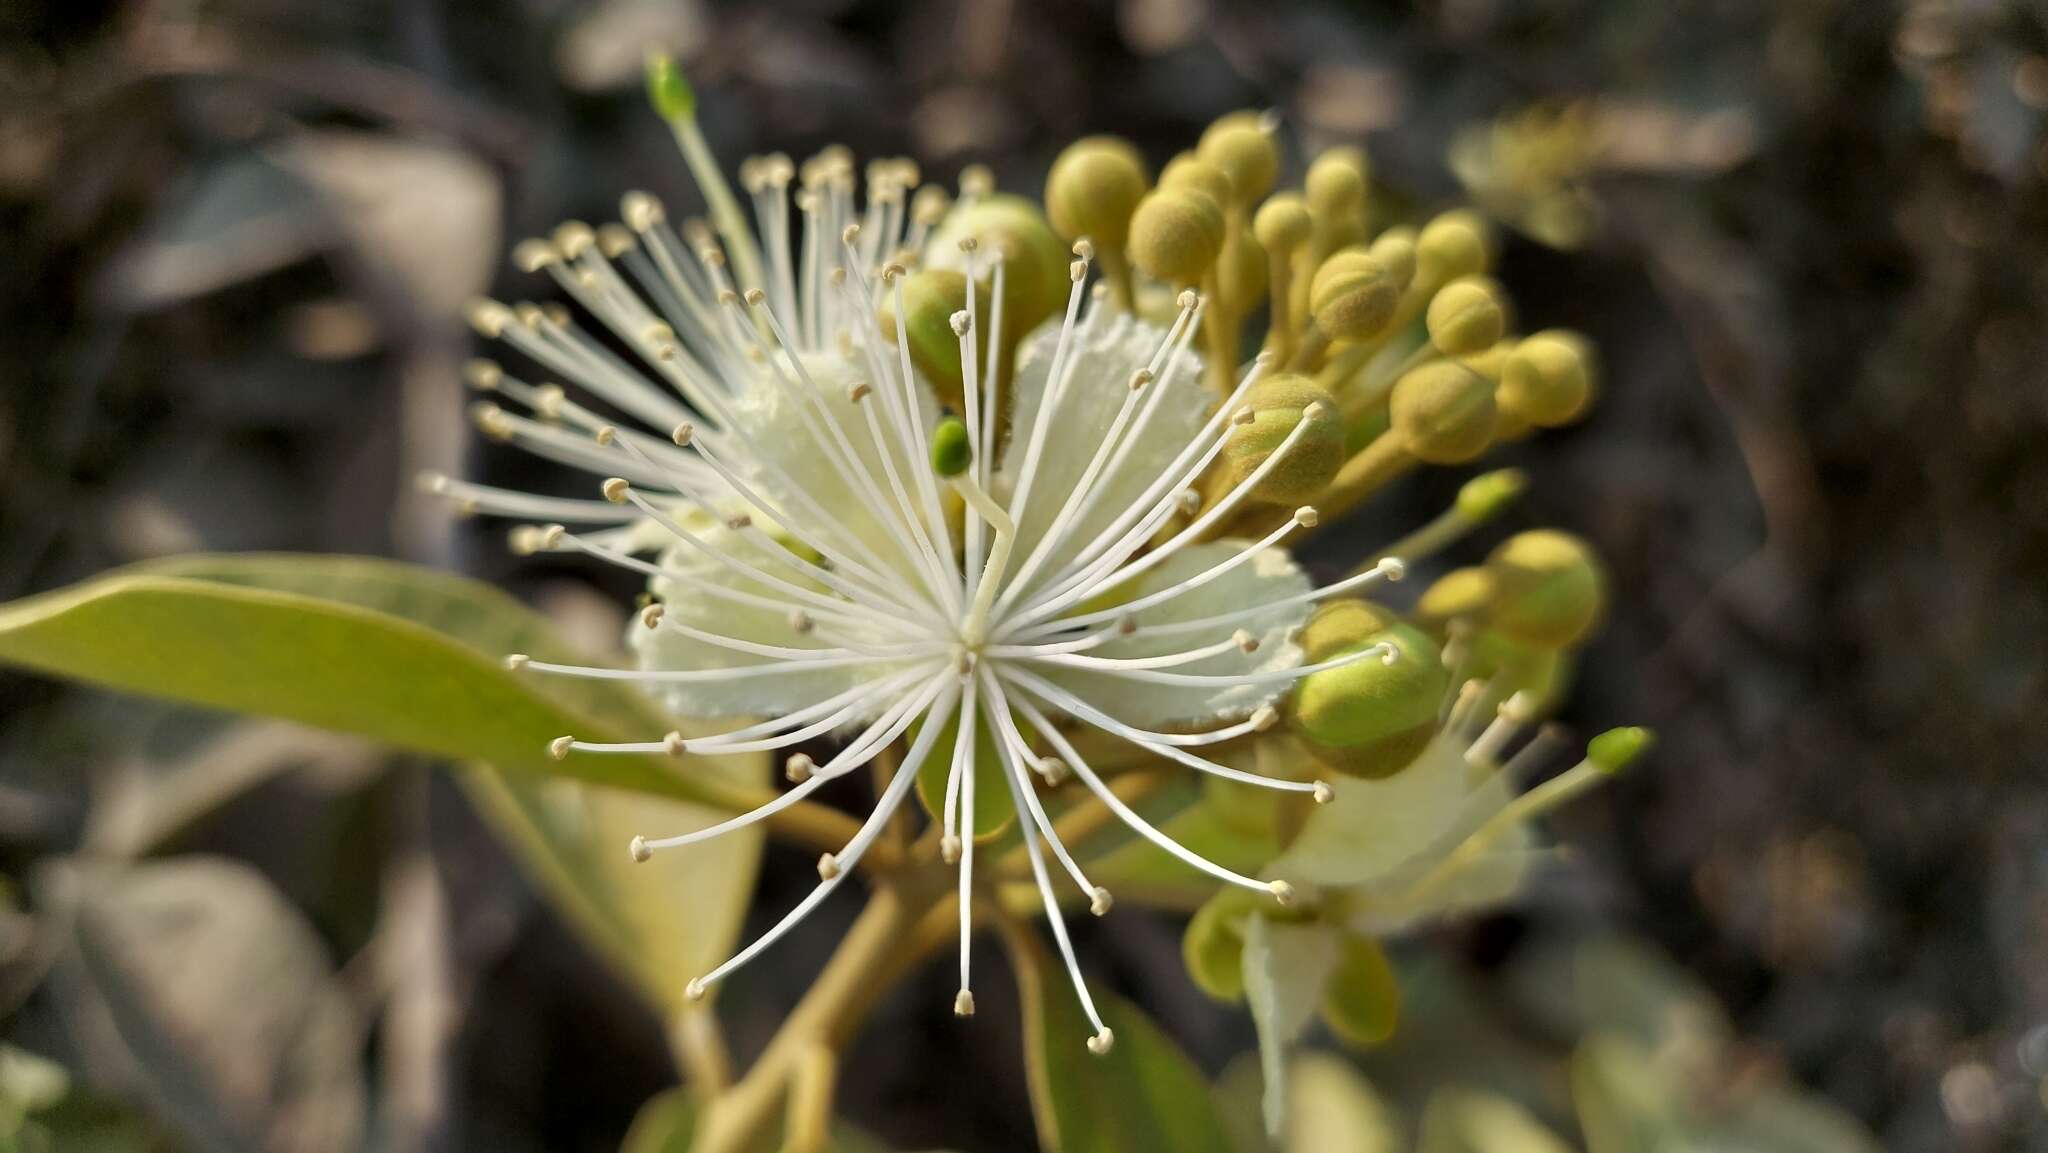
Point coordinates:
[[1282, 223], [1335, 186], [1352, 296], [1484, 496], [1176, 234], [1035, 280], [1371, 718], [1551, 590], [1456, 595], [1454, 244], [930, 299], [1395, 250], [1213, 945], [1339, 625], [1190, 171], [1613, 750], [1443, 411], [1466, 316], [668, 89], [1278, 403], [1093, 188], [1241, 147], [1362, 999], [1547, 379], [951, 450]]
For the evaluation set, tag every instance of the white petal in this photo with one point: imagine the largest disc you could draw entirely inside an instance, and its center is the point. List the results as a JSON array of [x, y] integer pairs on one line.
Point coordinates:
[[1285, 969], [1271, 575], [1373, 828]]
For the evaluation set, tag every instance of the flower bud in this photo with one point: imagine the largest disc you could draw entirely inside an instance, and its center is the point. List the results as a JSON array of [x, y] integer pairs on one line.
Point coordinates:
[[1450, 246], [1338, 625], [930, 298], [1243, 150], [667, 89], [1279, 403], [1371, 717], [1465, 317], [1282, 223], [1336, 185], [1035, 281], [1093, 188], [1352, 296], [1190, 171], [1176, 234], [1456, 595], [1547, 379], [1549, 589], [1395, 250], [1484, 496], [1614, 749], [1443, 412]]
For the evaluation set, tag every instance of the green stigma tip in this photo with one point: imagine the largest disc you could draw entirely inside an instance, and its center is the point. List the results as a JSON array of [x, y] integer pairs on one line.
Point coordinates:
[[951, 453], [1484, 496], [1613, 750], [668, 89]]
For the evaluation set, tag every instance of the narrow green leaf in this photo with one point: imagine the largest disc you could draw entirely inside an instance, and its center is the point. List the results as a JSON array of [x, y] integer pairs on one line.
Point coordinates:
[[1143, 1094]]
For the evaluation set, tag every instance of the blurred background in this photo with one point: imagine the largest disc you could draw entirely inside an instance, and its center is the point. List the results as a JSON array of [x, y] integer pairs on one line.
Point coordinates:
[[1809, 236]]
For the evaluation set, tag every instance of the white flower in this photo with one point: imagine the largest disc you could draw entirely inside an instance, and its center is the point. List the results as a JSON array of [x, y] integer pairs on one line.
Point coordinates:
[[811, 563]]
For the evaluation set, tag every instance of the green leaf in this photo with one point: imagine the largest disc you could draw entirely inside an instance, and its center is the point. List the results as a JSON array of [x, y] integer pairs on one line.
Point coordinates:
[[391, 651], [1331, 1108], [1623, 1105], [1143, 1094], [1285, 967], [993, 808], [1362, 1001], [1471, 1121], [197, 975]]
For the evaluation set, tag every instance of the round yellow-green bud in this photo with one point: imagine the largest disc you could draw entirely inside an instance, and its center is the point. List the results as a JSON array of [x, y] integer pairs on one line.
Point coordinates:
[[1459, 593], [1336, 183], [1279, 403], [1282, 223], [1190, 171], [1243, 150], [1395, 250], [1454, 244], [1443, 411], [1371, 717], [1035, 281], [1465, 317], [1338, 625], [1352, 296], [1176, 234], [1550, 590], [1093, 188], [930, 298], [1547, 379]]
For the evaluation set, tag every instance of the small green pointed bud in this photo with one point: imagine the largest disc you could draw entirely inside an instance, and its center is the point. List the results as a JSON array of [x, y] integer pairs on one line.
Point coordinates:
[[1443, 411], [931, 298], [1241, 147], [1551, 590], [1339, 625], [668, 89], [1176, 234], [1547, 379], [951, 450], [1279, 403], [1484, 496], [1035, 278], [1352, 296], [1093, 188], [1466, 316], [1282, 223], [1372, 717], [1454, 244], [1395, 250], [1613, 750], [1456, 595], [1190, 171]]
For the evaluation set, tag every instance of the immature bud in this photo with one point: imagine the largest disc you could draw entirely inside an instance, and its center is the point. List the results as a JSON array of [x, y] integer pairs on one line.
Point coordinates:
[[1278, 404], [1336, 185], [1371, 717], [1450, 246], [1282, 223], [1395, 250], [1484, 496], [930, 298], [1244, 151], [1338, 625], [1547, 379], [667, 89], [1176, 234], [1035, 281], [1190, 171], [1614, 749], [1550, 591], [1093, 188], [1443, 412], [1352, 296], [1456, 595], [951, 450], [1465, 316]]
